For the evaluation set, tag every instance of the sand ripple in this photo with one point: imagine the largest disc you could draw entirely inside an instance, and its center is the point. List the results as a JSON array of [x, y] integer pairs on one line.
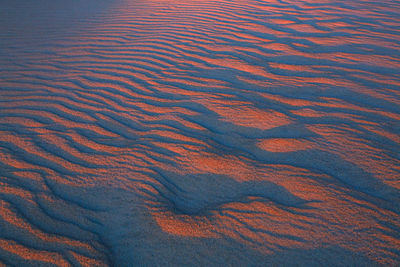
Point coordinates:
[[205, 133]]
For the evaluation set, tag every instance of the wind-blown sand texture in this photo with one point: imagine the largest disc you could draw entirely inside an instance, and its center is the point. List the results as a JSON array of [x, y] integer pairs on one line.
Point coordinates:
[[199, 133]]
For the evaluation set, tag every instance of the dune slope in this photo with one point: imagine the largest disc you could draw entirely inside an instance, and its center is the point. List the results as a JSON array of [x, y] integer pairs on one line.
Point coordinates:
[[199, 133]]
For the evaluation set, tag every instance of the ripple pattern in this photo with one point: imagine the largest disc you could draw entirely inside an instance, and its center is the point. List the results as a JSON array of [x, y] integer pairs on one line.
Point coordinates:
[[203, 133]]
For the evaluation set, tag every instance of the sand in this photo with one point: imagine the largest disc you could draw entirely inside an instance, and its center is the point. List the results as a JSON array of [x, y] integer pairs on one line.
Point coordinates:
[[199, 133]]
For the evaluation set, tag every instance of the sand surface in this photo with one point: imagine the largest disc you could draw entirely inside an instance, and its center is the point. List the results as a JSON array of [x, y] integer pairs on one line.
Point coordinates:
[[199, 133]]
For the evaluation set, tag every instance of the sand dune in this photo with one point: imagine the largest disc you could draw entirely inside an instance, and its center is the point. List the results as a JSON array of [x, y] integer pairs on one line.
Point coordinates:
[[199, 133]]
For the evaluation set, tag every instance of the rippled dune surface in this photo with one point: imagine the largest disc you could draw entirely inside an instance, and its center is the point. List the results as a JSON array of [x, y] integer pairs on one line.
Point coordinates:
[[199, 133]]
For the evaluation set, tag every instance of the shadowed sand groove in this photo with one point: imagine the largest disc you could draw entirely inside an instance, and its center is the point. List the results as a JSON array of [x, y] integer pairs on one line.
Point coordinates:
[[199, 133]]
